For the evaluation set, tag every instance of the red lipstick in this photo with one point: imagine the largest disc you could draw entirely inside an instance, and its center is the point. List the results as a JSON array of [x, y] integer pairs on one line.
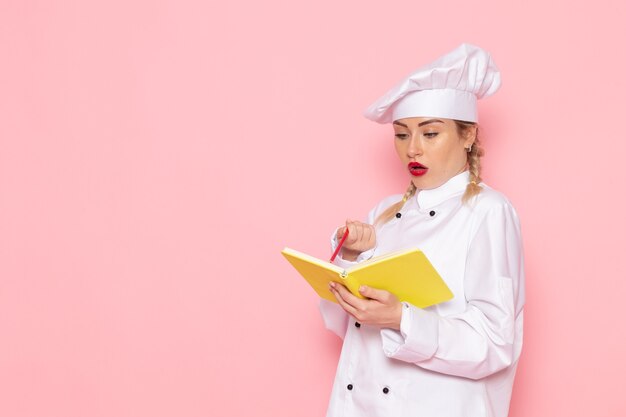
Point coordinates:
[[416, 169]]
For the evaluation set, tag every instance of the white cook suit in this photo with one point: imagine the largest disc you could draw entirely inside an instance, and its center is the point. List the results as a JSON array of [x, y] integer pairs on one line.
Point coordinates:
[[455, 359]]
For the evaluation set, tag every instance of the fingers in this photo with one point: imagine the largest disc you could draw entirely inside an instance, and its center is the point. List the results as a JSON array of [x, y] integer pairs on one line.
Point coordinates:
[[340, 232], [367, 234], [348, 297], [352, 233], [339, 291], [381, 308], [361, 236], [382, 296], [355, 232], [371, 240]]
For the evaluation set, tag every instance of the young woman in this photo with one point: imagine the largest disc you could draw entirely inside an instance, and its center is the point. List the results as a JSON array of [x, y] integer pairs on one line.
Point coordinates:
[[457, 358]]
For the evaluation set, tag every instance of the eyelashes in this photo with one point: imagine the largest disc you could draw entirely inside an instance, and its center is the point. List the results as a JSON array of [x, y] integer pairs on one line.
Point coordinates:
[[428, 135]]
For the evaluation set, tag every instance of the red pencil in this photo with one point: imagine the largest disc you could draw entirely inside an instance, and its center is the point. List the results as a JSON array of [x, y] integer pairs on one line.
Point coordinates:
[[343, 239]]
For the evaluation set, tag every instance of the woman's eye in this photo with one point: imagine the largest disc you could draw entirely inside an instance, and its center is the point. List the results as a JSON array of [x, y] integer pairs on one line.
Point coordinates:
[[431, 134], [401, 135]]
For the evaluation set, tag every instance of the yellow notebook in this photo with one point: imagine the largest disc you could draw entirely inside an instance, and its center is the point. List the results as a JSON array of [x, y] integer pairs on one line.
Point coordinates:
[[407, 274]]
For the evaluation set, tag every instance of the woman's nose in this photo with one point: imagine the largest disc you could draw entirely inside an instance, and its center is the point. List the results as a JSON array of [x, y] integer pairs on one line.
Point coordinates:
[[415, 147]]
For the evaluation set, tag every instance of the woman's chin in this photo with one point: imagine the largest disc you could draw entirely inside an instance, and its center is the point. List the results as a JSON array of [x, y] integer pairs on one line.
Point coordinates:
[[422, 183]]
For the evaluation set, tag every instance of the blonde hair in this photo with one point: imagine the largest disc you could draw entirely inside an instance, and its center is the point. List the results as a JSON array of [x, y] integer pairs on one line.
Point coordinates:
[[473, 188]]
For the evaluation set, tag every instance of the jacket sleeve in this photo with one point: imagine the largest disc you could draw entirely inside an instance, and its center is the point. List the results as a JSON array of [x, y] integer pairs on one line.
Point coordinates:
[[335, 318], [486, 336]]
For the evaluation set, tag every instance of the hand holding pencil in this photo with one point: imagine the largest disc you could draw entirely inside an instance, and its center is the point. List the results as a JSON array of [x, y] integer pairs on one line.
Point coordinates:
[[361, 237]]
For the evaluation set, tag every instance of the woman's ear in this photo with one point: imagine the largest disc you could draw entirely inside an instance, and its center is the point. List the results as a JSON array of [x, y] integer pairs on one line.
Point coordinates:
[[470, 136]]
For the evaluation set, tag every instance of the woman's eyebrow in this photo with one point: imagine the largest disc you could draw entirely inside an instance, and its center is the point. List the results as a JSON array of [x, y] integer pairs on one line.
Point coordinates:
[[429, 121], [419, 125], [400, 124]]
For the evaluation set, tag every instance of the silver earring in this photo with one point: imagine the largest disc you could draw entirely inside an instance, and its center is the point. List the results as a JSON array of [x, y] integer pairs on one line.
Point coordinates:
[[470, 148]]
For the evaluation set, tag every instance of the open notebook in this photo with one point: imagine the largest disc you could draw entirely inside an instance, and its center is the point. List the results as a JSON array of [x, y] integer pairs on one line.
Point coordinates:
[[407, 274]]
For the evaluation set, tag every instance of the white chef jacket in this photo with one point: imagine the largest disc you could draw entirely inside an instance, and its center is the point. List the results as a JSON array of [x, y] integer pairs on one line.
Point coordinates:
[[454, 359]]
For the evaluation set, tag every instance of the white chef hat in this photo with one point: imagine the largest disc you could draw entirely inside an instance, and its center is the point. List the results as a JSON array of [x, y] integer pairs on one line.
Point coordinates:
[[447, 88]]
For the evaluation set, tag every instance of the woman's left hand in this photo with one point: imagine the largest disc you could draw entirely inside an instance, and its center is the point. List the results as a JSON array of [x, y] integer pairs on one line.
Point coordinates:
[[380, 308]]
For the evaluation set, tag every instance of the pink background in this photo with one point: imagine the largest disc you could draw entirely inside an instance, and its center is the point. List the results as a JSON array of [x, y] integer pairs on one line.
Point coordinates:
[[155, 156]]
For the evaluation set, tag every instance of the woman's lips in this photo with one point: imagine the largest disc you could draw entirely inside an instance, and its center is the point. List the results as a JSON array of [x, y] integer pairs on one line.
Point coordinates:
[[416, 169]]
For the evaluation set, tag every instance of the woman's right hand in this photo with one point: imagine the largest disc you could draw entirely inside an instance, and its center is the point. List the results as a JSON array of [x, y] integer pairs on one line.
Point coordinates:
[[361, 237]]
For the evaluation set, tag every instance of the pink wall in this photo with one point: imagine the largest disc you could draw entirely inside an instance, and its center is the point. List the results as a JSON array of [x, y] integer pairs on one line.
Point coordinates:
[[156, 156]]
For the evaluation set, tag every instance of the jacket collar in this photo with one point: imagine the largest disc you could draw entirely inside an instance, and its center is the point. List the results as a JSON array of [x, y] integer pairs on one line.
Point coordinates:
[[453, 187]]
